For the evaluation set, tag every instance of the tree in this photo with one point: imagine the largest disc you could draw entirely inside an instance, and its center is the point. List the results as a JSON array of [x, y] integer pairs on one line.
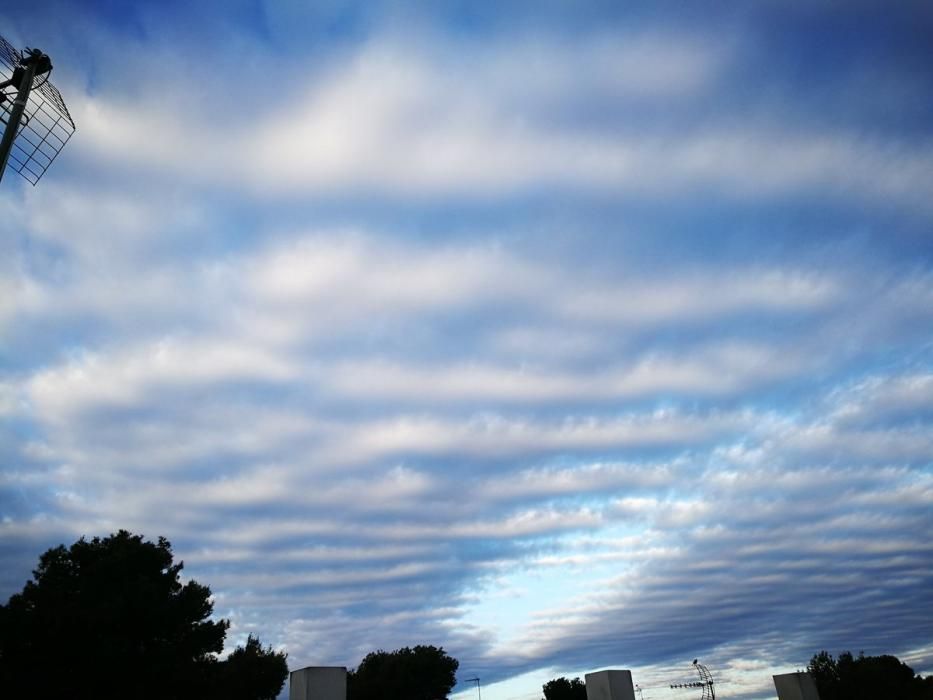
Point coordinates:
[[563, 689], [110, 618], [251, 673], [825, 673], [420, 673], [867, 677]]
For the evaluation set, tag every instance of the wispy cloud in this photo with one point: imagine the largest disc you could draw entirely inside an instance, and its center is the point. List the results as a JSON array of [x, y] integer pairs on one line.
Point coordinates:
[[592, 344], [396, 119]]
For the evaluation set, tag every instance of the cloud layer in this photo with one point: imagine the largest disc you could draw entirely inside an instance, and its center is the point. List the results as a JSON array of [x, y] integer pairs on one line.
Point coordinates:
[[565, 349]]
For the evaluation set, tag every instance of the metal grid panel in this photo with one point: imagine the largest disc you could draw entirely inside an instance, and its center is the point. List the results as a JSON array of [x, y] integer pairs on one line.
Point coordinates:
[[46, 126]]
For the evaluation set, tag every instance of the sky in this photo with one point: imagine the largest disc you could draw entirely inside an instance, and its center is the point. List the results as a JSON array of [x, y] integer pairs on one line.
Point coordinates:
[[564, 335]]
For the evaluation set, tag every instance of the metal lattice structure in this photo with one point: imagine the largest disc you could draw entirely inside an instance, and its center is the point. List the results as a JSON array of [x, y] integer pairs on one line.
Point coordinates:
[[705, 684], [45, 126]]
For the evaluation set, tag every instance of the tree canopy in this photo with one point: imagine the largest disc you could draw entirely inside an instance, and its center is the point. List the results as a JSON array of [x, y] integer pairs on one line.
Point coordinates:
[[250, 673], [564, 689], [867, 677], [110, 618], [418, 673]]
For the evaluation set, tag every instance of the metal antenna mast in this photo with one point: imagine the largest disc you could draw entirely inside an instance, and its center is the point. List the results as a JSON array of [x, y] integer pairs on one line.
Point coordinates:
[[705, 683], [479, 693], [35, 129]]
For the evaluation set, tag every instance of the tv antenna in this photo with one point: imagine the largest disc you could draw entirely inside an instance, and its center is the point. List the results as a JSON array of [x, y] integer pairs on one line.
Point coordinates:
[[478, 691], [705, 683], [37, 124]]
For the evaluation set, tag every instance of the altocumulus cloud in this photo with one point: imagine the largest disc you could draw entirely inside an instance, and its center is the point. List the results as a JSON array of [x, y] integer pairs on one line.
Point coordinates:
[[599, 342]]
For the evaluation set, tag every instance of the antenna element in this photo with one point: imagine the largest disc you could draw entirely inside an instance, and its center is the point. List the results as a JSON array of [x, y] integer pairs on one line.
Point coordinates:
[[35, 129]]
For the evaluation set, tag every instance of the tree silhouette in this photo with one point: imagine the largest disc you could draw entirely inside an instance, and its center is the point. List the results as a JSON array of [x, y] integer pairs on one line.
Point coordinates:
[[110, 618], [419, 673], [251, 673], [866, 678], [563, 689]]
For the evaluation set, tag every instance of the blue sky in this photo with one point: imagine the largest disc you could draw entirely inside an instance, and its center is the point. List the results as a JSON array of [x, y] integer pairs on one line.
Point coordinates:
[[567, 336]]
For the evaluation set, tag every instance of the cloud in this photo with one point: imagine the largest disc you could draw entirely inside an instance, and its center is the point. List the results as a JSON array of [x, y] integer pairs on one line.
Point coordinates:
[[752, 532], [888, 400], [410, 120], [124, 380], [715, 370], [363, 275], [562, 350]]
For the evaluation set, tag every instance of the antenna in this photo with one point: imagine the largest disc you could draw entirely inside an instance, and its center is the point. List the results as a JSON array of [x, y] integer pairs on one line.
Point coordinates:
[[478, 691], [705, 682], [37, 122]]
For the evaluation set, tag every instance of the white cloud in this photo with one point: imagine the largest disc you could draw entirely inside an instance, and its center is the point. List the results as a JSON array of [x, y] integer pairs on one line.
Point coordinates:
[[701, 296], [879, 445], [357, 416], [490, 435], [409, 122], [362, 275], [589, 478], [100, 225], [904, 399], [96, 380], [9, 400], [713, 370]]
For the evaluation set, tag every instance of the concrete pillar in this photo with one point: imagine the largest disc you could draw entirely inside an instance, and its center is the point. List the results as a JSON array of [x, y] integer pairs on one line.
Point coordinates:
[[318, 683], [610, 685], [795, 686]]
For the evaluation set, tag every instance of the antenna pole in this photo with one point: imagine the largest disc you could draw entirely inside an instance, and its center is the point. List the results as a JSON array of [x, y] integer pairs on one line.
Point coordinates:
[[19, 104], [478, 691]]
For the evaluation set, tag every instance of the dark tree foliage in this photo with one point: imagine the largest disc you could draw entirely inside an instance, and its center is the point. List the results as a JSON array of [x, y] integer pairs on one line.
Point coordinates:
[[110, 618], [867, 678], [563, 689], [419, 673], [823, 669], [251, 673]]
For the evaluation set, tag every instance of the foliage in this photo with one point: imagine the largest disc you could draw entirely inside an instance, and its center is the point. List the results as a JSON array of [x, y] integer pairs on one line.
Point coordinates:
[[110, 618], [419, 673], [251, 673], [867, 677], [563, 689]]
